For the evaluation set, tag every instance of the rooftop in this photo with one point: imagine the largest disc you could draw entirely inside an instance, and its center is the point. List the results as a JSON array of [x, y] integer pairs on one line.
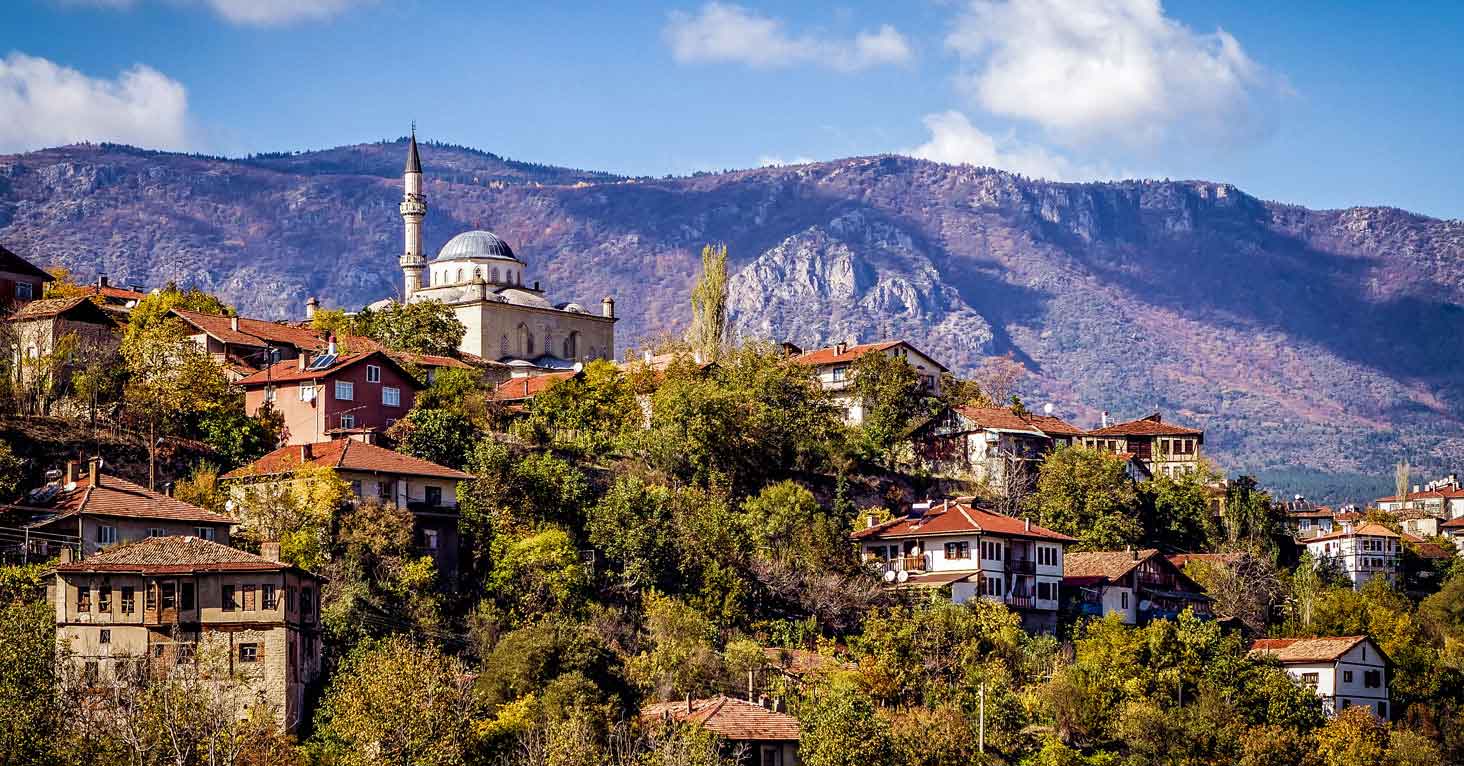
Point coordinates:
[[289, 370], [173, 555], [1299, 650], [519, 389], [114, 497], [850, 352], [731, 718], [1152, 425], [1366, 530], [955, 518], [1111, 565], [15, 264], [1003, 419], [46, 308], [348, 455]]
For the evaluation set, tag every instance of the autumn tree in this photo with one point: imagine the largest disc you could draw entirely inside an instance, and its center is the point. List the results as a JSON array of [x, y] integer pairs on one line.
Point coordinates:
[[295, 509], [891, 395], [708, 332]]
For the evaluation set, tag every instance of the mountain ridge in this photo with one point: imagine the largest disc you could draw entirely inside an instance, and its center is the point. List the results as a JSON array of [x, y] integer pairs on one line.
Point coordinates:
[[1322, 340]]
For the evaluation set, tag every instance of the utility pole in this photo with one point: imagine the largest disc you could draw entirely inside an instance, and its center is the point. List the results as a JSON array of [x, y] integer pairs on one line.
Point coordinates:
[[981, 732]]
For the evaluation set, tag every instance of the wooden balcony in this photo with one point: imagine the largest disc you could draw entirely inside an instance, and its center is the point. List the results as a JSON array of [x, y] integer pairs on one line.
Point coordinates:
[[1021, 566]]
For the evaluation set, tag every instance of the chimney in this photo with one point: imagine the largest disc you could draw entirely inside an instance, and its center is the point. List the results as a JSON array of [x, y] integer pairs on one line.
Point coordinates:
[[841, 347], [1026, 525], [1105, 419], [303, 359], [646, 356], [311, 305], [607, 308], [270, 549], [234, 323], [536, 286], [1134, 554], [331, 349], [304, 452], [869, 520], [70, 471], [66, 556], [93, 470], [101, 281], [168, 489]]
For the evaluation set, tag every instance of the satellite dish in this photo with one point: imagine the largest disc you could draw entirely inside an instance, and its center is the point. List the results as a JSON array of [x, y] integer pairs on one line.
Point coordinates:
[[889, 575], [902, 576], [1144, 605], [1047, 408], [229, 506]]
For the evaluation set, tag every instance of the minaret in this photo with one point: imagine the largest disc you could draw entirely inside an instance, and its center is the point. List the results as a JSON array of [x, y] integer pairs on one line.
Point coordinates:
[[414, 209]]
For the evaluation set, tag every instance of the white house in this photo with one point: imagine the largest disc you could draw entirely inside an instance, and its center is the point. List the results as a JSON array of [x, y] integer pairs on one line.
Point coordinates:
[[1442, 498], [1345, 671], [1363, 552], [834, 367], [975, 553]]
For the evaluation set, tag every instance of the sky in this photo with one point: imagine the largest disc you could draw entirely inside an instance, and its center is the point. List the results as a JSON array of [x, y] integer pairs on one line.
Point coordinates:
[[1324, 104]]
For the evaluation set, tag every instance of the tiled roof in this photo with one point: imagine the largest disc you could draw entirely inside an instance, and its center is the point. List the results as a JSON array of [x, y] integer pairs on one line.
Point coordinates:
[[46, 308], [1297, 650], [1432, 494], [518, 389], [1148, 426], [172, 555], [1453, 524], [831, 354], [1112, 565], [1366, 530], [289, 370], [1427, 549], [1180, 559], [1002, 418], [120, 498], [252, 332], [728, 717], [954, 518], [429, 360], [17, 265], [346, 455], [118, 293]]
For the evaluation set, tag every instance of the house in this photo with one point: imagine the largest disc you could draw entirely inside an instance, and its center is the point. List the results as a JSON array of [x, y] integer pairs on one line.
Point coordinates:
[[20, 280], [1454, 530], [156, 603], [242, 344], [974, 552], [426, 489], [991, 445], [117, 301], [1163, 448], [1441, 498], [834, 368], [1307, 519], [1363, 552], [1137, 585], [99, 510], [332, 393], [518, 391], [1345, 671], [752, 733], [41, 326]]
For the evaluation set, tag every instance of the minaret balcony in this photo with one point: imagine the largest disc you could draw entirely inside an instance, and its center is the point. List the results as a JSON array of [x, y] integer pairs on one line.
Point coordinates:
[[413, 207]]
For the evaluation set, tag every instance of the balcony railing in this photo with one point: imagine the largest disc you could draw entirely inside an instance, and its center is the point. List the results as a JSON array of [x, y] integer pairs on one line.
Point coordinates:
[[1021, 566], [1021, 602]]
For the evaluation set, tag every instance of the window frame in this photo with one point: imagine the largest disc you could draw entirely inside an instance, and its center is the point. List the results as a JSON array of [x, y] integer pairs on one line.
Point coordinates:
[[373, 373], [391, 396], [348, 388], [249, 652]]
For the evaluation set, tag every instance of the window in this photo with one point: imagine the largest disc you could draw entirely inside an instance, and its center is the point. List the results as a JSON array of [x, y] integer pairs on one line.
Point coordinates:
[[493, 274], [248, 652], [1044, 591], [185, 596], [83, 598], [157, 532], [1123, 600], [270, 598], [89, 671], [434, 496], [961, 550], [1372, 679], [1047, 555], [24, 291], [269, 393], [841, 373], [772, 755], [1346, 676], [503, 346], [348, 421], [105, 636], [373, 373], [356, 487], [230, 604], [345, 390], [383, 489], [391, 397], [993, 586], [390, 422], [991, 551], [205, 533], [429, 539], [152, 596], [170, 595], [1382, 709], [1310, 679], [307, 604], [106, 534], [129, 599], [104, 599]]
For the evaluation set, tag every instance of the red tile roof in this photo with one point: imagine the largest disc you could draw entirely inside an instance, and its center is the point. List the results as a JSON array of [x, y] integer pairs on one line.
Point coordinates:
[[289, 370], [1002, 418], [519, 389], [46, 308], [1427, 549], [345, 455], [1457, 523], [173, 555], [252, 332], [831, 354], [1366, 530], [728, 717], [954, 518], [430, 360], [119, 293], [120, 498], [1302, 650], [1110, 565], [1432, 494], [1147, 426], [1180, 559]]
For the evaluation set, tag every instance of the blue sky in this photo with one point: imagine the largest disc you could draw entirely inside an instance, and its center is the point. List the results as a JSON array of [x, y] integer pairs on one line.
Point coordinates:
[[1322, 104]]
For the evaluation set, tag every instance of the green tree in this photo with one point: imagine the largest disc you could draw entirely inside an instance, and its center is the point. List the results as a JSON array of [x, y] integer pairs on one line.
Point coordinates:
[[890, 393], [590, 411], [787, 521], [680, 658], [440, 436], [631, 525], [1089, 495], [422, 327], [1180, 517], [708, 332], [152, 311], [842, 728], [297, 510], [34, 719], [538, 574], [392, 701], [1352, 738], [12, 471]]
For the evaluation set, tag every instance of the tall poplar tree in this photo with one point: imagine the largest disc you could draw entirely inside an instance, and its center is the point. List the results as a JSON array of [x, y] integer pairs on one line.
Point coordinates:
[[708, 330]]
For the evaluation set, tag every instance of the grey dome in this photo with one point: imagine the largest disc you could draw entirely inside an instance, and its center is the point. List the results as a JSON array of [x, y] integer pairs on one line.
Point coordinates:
[[476, 244]]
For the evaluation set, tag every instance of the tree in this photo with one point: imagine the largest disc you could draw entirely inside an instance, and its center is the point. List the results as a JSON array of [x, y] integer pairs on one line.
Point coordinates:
[[997, 377], [708, 331], [1250, 516], [538, 574], [631, 525], [1179, 506], [33, 718], [393, 701], [889, 391], [1352, 738], [12, 471], [1089, 495], [422, 327], [787, 522], [152, 311], [842, 728], [462, 392], [680, 658], [437, 435], [589, 411], [296, 509]]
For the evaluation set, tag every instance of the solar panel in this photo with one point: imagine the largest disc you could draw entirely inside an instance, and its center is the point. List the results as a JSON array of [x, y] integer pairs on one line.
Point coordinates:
[[323, 361]]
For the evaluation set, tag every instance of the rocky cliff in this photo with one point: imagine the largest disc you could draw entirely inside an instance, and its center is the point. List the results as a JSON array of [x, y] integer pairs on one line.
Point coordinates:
[[1327, 340]]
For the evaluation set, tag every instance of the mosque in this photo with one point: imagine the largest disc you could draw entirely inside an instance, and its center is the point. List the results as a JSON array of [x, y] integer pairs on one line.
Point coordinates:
[[481, 278]]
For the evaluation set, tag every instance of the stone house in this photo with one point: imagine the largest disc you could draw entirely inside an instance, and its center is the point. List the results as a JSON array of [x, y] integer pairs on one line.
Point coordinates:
[[41, 326], [156, 604], [834, 367], [426, 489]]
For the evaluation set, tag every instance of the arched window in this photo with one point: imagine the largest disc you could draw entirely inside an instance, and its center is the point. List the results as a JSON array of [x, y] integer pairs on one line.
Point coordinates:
[[571, 345], [526, 340], [495, 275], [460, 275]]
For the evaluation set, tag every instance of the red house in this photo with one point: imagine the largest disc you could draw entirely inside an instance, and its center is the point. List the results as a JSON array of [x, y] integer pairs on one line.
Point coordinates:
[[20, 280], [328, 395]]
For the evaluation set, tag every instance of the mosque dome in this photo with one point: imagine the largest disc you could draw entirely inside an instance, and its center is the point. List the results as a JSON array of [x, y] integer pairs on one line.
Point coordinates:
[[473, 245]]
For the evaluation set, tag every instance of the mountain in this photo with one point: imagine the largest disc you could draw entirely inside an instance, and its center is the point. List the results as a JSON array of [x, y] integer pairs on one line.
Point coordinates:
[[1320, 346]]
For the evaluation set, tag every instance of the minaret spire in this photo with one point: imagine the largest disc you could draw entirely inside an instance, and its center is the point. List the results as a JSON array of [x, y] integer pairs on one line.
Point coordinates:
[[413, 209]]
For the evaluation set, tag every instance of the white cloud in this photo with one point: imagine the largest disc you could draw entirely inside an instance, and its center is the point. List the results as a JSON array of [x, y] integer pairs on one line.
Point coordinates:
[[46, 104], [250, 12], [1108, 69], [725, 32], [954, 140]]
